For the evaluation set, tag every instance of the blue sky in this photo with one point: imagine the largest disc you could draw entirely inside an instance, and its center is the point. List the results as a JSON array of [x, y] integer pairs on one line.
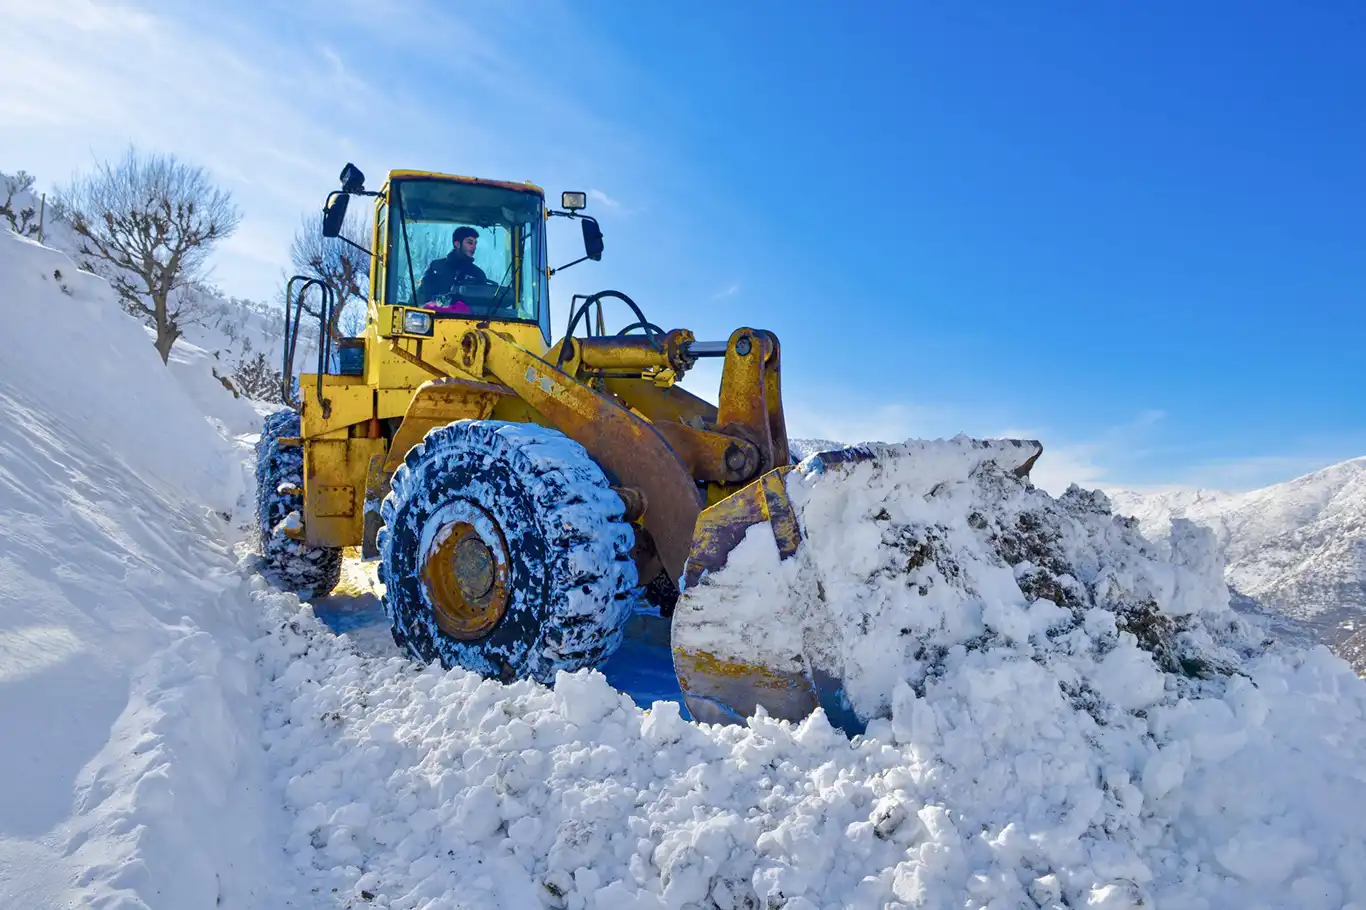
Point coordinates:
[[1136, 232]]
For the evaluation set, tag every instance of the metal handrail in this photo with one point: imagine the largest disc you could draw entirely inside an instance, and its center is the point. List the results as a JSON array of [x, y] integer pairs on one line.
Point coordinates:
[[291, 341]]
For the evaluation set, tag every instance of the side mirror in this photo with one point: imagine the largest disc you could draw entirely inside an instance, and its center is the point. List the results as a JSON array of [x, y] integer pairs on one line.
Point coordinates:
[[334, 214], [592, 239]]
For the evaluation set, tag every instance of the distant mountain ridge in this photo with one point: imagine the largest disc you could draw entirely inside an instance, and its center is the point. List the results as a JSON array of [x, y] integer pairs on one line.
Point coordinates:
[[1298, 547]]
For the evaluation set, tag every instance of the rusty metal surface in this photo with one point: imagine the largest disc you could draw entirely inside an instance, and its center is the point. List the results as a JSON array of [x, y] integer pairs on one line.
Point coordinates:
[[634, 352], [630, 450], [466, 582], [722, 526], [749, 403], [397, 350], [376, 488], [673, 403], [727, 688], [334, 501], [711, 456], [467, 354], [633, 501], [722, 691], [351, 399], [334, 482]]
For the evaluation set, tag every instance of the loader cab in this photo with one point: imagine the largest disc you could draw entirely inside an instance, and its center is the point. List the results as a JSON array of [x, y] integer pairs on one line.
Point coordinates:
[[416, 219]]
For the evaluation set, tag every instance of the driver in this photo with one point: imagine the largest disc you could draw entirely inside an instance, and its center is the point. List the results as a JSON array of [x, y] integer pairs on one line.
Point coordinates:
[[456, 268]]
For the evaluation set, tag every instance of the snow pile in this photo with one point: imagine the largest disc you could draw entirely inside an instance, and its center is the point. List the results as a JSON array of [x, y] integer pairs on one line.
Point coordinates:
[[131, 773], [1079, 721], [1073, 717]]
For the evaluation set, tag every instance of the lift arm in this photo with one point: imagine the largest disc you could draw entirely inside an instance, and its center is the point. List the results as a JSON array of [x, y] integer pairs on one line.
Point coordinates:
[[630, 449]]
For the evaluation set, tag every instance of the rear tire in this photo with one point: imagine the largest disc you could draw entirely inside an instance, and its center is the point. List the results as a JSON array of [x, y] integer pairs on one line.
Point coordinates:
[[503, 551], [289, 564]]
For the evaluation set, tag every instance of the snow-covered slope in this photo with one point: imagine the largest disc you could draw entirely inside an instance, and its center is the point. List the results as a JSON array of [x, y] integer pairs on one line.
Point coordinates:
[[219, 332], [1298, 547], [130, 772]]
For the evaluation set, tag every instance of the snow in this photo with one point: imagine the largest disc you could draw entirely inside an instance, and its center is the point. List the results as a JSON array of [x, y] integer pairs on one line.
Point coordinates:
[[126, 694], [1087, 724], [1297, 547]]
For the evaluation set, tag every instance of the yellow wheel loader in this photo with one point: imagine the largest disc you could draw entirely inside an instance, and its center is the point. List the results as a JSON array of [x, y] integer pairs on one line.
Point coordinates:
[[523, 494]]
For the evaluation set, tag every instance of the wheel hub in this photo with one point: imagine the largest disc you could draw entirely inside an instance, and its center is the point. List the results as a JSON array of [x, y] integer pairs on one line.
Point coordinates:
[[465, 575], [474, 567]]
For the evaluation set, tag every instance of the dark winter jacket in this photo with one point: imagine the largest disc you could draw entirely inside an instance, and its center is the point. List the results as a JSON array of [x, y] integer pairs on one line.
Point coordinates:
[[446, 273]]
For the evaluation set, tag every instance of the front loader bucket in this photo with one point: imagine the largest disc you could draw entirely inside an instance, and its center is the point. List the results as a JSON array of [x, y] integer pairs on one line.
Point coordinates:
[[752, 627]]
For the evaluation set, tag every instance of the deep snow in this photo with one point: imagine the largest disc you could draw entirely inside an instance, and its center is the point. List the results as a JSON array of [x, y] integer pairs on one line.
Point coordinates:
[[1088, 725], [130, 772]]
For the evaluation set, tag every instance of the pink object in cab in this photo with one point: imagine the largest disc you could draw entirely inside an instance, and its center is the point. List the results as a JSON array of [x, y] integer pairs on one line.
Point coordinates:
[[456, 307]]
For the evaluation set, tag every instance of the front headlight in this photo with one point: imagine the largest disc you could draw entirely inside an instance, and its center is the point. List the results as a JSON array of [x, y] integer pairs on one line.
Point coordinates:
[[417, 323]]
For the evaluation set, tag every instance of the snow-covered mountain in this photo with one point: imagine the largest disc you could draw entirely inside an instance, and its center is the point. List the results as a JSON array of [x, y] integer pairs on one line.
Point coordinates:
[[1297, 547]]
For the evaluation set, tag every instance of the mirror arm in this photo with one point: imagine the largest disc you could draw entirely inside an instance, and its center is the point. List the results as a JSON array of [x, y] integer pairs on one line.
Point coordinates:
[[566, 265], [355, 244]]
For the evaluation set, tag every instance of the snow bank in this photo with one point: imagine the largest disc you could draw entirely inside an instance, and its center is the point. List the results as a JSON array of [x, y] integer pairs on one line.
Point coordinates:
[[201, 374], [218, 332], [131, 773], [81, 357], [1078, 721]]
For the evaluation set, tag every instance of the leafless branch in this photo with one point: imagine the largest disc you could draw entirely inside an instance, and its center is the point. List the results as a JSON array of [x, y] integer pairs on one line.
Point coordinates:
[[148, 224]]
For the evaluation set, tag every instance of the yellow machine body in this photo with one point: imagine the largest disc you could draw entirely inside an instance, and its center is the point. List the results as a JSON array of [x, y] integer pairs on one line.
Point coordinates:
[[668, 451], [693, 476]]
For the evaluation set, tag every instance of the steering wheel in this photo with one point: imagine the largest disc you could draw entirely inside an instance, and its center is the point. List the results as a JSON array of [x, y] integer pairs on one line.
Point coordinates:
[[479, 295]]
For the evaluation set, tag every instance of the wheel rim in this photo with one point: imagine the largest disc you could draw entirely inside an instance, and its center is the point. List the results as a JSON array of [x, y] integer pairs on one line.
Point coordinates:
[[465, 575]]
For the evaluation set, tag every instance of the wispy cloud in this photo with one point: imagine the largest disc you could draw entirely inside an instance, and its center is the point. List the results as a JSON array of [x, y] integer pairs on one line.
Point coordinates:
[[601, 197], [274, 122], [95, 77], [729, 290]]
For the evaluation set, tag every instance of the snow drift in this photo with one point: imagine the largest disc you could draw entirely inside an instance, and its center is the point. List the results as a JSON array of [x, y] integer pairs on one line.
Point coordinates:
[[129, 767]]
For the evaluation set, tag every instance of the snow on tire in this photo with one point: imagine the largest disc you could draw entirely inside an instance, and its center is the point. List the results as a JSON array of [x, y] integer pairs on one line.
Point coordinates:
[[503, 551], [291, 564]]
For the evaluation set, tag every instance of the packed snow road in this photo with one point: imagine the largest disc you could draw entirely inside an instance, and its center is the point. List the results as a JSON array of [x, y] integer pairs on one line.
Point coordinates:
[[642, 667]]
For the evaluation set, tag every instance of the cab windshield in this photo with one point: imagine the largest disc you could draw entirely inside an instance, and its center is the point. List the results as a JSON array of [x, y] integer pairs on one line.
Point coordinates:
[[436, 226]]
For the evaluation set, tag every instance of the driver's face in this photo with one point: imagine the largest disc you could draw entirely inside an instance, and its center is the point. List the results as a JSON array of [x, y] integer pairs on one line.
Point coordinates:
[[467, 245]]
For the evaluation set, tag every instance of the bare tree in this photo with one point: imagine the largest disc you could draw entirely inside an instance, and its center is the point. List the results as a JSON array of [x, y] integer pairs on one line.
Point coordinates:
[[147, 224], [256, 377], [23, 221], [341, 265]]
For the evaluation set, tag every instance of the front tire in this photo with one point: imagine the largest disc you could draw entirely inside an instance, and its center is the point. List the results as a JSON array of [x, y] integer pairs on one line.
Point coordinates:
[[503, 551]]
